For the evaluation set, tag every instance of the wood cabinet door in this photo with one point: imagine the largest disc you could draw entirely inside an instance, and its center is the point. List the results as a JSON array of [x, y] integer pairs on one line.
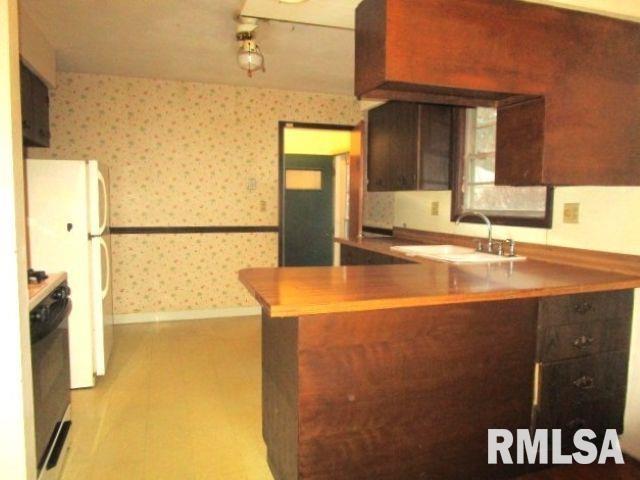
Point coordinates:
[[436, 137], [28, 129], [35, 109], [359, 256], [40, 105], [393, 147]]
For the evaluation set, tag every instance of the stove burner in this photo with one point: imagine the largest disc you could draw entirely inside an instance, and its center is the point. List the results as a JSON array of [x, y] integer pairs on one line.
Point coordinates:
[[37, 276]]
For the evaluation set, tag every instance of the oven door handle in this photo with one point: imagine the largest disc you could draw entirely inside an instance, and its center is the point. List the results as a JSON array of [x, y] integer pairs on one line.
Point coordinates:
[[56, 317]]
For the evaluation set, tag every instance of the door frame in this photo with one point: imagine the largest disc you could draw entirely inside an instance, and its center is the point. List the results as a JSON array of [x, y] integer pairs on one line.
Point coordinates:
[[281, 127]]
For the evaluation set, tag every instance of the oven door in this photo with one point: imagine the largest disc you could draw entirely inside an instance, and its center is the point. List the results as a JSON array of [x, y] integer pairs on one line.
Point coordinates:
[[51, 374]]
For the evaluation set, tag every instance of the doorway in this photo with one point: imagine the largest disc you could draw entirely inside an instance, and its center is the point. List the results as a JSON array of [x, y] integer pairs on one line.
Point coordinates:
[[314, 192]]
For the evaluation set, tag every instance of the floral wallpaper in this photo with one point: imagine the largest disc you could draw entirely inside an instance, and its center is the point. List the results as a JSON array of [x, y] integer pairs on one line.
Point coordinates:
[[379, 209], [155, 273], [184, 154]]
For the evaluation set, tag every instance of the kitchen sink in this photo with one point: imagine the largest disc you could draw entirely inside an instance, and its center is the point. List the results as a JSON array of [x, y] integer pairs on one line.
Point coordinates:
[[427, 250], [453, 254]]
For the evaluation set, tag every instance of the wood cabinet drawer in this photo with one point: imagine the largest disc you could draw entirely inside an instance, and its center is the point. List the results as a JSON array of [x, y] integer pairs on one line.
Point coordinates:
[[585, 307], [597, 415], [574, 340], [588, 392], [584, 379]]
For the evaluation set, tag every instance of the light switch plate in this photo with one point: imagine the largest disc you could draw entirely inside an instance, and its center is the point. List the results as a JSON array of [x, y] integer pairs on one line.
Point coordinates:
[[571, 213], [435, 209]]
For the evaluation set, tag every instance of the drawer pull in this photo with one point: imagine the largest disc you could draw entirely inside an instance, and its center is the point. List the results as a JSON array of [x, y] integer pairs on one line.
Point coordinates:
[[584, 383], [583, 308], [583, 342]]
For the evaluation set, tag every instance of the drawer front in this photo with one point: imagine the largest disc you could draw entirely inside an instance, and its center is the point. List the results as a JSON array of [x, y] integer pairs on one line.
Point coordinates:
[[588, 392], [562, 342], [584, 379], [597, 415], [585, 307]]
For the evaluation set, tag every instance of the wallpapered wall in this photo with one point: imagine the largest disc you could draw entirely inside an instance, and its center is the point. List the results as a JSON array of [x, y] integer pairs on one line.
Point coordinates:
[[182, 154]]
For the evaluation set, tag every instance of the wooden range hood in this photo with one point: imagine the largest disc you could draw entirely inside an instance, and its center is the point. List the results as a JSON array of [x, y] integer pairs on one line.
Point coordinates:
[[566, 83]]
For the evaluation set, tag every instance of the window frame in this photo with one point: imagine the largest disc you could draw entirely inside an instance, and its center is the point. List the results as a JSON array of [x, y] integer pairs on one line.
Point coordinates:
[[457, 180]]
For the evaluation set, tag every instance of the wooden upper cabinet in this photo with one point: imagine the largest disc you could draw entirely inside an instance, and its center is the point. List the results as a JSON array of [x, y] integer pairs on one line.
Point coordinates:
[[435, 143], [35, 109], [28, 127], [393, 147], [409, 147], [566, 83]]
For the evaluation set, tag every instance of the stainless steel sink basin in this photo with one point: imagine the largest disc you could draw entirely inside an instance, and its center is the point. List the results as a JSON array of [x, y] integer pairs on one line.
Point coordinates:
[[453, 254]]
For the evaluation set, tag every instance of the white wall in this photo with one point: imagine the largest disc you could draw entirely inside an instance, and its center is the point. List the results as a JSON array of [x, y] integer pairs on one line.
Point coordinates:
[[608, 222], [35, 50], [17, 449]]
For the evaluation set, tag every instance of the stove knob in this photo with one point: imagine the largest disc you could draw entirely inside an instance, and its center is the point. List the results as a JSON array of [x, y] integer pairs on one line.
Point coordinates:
[[59, 294], [40, 314]]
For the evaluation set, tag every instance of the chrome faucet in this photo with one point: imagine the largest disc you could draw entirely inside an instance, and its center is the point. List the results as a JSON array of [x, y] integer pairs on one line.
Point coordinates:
[[486, 220]]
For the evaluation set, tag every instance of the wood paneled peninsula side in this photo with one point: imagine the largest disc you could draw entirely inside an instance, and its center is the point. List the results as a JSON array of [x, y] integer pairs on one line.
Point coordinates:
[[398, 370]]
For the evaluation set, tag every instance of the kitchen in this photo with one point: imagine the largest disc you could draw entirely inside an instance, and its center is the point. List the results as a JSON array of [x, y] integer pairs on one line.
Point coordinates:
[[194, 199]]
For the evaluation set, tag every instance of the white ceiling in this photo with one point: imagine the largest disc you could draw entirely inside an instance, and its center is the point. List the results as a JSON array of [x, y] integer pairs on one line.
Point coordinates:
[[333, 13], [191, 40], [195, 39]]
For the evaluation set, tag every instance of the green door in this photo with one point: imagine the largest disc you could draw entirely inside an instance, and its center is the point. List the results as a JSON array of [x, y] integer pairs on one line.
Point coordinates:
[[308, 211]]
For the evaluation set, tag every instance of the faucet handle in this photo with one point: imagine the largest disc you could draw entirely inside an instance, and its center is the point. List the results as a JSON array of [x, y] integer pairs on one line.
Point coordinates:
[[478, 242], [511, 244]]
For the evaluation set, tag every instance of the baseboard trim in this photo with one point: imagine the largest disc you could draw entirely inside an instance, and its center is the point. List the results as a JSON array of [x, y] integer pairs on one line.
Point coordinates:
[[151, 317]]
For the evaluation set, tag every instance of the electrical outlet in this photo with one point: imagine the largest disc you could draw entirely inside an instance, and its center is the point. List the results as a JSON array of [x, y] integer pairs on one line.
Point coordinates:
[[263, 206], [571, 213], [435, 209]]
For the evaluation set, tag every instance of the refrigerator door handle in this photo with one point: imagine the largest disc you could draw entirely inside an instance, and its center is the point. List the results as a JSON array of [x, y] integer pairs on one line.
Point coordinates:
[[105, 287], [105, 203]]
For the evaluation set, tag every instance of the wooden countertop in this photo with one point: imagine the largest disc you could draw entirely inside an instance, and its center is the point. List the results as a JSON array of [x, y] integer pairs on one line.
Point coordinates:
[[39, 291], [288, 292]]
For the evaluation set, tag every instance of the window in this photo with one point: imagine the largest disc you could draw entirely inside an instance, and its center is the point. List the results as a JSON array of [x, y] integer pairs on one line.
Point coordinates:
[[474, 179], [303, 179]]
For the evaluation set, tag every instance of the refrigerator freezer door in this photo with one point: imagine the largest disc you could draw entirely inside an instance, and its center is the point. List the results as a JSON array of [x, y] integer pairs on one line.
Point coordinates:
[[102, 301], [58, 218]]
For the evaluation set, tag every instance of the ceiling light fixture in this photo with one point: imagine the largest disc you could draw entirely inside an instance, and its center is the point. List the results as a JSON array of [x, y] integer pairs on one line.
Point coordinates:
[[250, 57]]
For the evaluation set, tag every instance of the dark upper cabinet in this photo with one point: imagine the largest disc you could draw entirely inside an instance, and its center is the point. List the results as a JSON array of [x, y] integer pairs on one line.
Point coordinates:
[[410, 147], [393, 147], [35, 109], [436, 143]]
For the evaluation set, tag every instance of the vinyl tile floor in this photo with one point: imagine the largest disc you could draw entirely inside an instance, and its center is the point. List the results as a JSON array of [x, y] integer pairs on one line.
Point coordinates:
[[181, 401]]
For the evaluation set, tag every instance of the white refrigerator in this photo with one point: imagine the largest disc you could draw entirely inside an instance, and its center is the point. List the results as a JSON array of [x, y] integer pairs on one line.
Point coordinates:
[[68, 219]]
